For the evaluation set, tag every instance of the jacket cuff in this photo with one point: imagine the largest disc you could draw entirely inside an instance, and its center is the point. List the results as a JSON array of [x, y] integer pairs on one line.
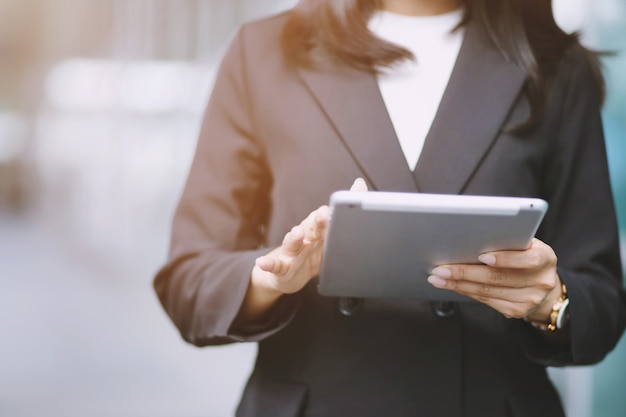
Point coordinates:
[[279, 316]]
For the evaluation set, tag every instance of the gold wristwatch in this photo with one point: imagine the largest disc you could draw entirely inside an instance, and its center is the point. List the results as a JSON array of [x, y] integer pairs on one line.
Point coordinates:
[[559, 316]]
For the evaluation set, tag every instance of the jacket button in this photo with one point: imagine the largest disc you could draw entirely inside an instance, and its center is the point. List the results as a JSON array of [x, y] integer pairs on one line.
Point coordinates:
[[350, 306], [444, 309]]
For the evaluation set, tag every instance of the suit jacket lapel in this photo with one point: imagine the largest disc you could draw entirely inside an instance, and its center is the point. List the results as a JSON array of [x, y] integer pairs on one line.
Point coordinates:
[[474, 107], [352, 102]]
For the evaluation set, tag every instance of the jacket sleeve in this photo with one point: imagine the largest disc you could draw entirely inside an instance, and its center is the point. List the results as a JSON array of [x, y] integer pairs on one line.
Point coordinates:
[[582, 229], [217, 231]]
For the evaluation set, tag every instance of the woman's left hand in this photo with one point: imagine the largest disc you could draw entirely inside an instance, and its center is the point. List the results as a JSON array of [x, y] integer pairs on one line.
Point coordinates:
[[518, 284]]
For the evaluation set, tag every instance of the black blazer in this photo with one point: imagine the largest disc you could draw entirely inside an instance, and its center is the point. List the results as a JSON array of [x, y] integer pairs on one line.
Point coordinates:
[[276, 141]]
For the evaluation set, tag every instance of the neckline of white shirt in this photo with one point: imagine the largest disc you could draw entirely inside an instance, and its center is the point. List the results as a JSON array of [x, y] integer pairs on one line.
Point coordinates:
[[412, 89], [444, 22]]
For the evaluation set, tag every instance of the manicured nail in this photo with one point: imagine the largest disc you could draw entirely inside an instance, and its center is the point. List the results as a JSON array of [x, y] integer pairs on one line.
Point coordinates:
[[442, 272], [359, 185], [487, 259], [263, 263], [437, 281]]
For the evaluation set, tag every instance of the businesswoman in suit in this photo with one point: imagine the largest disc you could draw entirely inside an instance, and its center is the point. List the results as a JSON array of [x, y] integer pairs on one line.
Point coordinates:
[[484, 97]]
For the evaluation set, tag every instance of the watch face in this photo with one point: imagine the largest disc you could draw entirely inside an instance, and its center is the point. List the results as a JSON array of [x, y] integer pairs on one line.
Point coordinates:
[[563, 317]]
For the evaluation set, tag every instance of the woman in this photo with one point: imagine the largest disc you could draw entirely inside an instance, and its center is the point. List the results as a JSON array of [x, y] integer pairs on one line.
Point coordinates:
[[484, 97]]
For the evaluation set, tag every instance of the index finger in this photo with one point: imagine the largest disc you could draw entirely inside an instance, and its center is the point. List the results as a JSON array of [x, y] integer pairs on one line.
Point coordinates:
[[537, 255], [316, 224]]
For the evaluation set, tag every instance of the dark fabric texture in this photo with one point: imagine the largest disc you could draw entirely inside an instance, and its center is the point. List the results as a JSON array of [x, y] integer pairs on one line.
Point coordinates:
[[277, 141], [273, 398]]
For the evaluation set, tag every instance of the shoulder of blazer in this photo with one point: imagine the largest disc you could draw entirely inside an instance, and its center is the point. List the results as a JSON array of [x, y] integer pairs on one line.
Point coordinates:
[[263, 35], [577, 70]]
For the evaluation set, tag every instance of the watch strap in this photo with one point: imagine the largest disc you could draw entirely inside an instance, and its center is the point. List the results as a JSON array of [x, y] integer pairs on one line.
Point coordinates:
[[558, 315]]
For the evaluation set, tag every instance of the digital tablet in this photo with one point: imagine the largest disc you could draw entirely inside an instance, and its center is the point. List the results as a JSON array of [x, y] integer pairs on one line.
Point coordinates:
[[385, 244]]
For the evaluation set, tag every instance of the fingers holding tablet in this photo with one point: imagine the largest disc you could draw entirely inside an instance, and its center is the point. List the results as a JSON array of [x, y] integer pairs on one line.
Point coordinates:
[[519, 284]]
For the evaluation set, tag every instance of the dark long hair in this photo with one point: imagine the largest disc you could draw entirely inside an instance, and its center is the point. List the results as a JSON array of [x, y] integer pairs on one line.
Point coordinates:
[[524, 31]]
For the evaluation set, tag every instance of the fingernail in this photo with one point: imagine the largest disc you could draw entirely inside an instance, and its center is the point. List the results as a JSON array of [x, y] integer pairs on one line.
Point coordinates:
[[437, 281], [442, 272], [487, 259], [262, 263], [359, 185]]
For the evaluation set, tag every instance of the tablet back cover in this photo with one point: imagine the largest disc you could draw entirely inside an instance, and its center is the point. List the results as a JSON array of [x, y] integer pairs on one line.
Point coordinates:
[[389, 250]]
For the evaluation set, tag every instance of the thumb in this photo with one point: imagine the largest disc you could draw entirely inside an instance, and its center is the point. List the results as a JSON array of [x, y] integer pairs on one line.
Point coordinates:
[[359, 185]]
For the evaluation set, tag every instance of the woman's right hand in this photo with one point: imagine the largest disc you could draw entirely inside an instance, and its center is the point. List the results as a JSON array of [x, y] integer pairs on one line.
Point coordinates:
[[289, 267]]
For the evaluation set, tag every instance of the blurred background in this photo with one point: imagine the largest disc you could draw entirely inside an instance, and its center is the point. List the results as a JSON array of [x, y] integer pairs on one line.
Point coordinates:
[[100, 105]]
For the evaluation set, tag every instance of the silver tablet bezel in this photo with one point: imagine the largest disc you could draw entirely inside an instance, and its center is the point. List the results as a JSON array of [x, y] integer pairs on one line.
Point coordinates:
[[359, 257]]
